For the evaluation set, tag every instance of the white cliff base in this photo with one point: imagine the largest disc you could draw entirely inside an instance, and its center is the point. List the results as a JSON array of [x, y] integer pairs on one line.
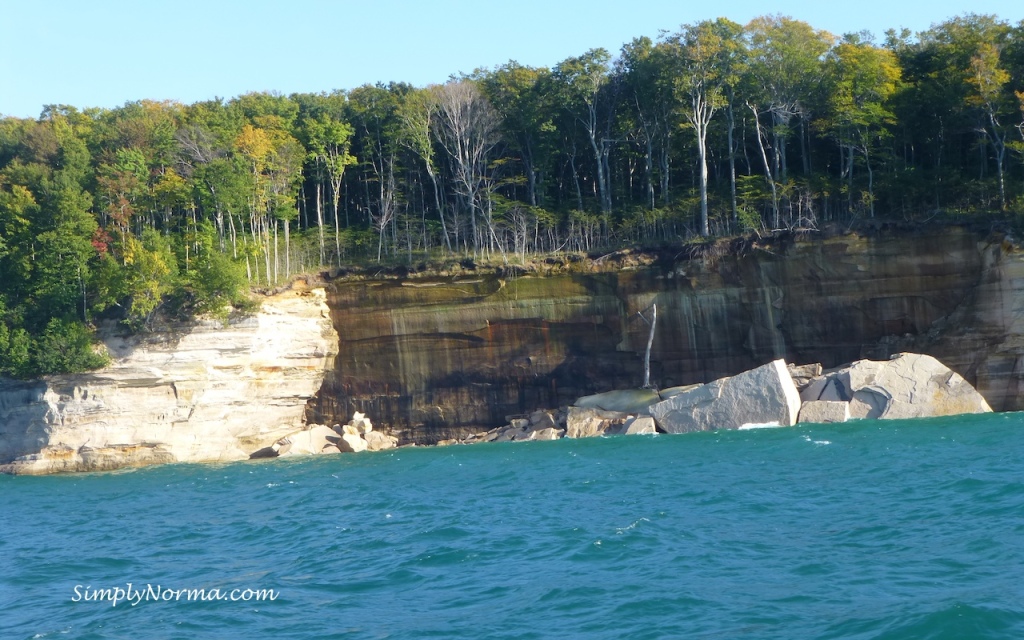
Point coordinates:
[[215, 392]]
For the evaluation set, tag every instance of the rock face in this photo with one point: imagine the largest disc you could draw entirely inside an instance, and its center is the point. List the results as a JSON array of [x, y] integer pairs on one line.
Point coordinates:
[[823, 412], [584, 422], [908, 386], [212, 392], [764, 395], [441, 358]]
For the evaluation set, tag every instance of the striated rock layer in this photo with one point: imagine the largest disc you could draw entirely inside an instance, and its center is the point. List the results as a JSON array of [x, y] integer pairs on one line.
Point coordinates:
[[437, 359], [205, 393]]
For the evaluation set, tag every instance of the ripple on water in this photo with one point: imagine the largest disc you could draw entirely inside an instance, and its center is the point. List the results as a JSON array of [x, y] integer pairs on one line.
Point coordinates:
[[865, 530]]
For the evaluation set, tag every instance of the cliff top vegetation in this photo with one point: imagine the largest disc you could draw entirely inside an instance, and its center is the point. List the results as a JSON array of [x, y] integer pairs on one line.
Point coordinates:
[[713, 130]]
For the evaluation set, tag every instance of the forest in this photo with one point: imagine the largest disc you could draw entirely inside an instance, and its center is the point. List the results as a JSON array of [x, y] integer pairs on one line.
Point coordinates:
[[712, 130]]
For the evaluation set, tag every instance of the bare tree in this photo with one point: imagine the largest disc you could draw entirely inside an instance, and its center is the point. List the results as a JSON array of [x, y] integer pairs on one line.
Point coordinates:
[[467, 127]]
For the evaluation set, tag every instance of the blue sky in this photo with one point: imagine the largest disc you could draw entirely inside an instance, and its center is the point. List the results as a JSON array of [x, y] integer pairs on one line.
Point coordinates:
[[104, 53]]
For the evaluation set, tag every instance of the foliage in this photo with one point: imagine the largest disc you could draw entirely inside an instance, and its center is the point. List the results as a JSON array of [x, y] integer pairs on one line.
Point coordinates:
[[717, 128]]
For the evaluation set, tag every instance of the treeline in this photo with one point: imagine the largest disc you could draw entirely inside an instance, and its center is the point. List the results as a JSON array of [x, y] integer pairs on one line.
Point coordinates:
[[714, 129]]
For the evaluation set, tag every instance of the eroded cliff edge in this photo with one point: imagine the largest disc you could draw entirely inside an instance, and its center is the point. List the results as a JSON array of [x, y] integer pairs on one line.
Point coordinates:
[[435, 358], [208, 391]]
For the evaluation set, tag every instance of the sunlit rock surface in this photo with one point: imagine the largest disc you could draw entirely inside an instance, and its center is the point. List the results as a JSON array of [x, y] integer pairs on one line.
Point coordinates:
[[909, 385], [203, 393], [440, 358], [765, 395]]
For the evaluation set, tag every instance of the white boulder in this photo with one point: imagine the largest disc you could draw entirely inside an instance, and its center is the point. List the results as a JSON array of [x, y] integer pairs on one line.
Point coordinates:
[[760, 396], [824, 411], [910, 385]]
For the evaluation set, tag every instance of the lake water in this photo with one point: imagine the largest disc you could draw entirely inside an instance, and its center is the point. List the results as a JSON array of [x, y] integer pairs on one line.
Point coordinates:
[[867, 530]]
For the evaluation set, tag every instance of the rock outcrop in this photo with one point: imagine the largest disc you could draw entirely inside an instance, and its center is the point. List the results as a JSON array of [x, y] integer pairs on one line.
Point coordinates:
[[824, 412], [317, 439], [584, 422], [209, 391], [908, 386], [762, 396], [444, 357]]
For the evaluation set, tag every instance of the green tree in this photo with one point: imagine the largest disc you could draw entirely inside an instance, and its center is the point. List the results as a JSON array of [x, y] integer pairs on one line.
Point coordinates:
[[582, 83], [862, 80], [703, 50]]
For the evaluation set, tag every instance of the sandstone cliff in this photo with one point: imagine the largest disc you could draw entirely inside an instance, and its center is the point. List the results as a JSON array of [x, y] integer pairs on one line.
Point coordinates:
[[205, 392], [438, 358]]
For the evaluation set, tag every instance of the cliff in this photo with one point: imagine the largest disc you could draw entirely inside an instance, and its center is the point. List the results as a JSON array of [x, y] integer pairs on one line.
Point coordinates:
[[201, 392], [436, 358]]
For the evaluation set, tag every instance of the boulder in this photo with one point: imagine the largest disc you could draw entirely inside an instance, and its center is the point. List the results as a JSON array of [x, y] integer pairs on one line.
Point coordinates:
[[812, 390], [265, 452], [549, 433], [763, 395], [823, 411], [624, 401], [910, 385], [584, 422], [672, 392], [377, 441], [543, 420], [639, 426], [351, 443], [804, 374], [360, 423], [307, 442]]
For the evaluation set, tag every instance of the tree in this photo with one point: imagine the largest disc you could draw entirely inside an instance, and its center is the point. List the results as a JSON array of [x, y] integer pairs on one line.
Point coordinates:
[[785, 63], [329, 143], [584, 84], [418, 113], [649, 84], [467, 129], [862, 80], [988, 80], [518, 94], [703, 51]]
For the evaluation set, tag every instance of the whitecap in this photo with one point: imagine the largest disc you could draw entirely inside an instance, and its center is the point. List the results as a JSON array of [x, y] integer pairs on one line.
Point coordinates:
[[621, 530], [759, 425]]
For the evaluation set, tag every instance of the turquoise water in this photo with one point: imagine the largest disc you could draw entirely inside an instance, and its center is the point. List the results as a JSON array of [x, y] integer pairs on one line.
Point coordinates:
[[869, 530]]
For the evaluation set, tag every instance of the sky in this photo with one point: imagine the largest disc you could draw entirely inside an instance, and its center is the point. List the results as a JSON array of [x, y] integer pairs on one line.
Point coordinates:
[[103, 53]]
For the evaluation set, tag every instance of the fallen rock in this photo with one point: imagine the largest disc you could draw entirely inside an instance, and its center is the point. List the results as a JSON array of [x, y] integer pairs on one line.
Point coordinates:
[[672, 392], [307, 442], [823, 412], [910, 385], [543, 420], [549, 433], [760, 396], [624, 401], [360, 423], [352, 443], [377, 441], [804, 374], [641, 425], [583, 422], [265, 452]]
